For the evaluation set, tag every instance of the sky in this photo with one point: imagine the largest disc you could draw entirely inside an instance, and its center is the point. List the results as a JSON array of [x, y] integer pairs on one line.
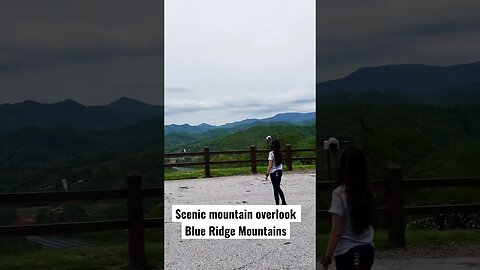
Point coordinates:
[[228, 60], [352, 34], [92, 51], [225, 60]]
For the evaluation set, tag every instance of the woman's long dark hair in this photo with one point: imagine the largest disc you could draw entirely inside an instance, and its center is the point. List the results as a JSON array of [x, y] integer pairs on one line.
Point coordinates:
[[277, 154], [352, 173]]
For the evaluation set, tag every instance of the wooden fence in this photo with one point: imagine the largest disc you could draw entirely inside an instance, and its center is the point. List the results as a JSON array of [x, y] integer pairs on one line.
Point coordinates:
[[253, 160], [135, 224], [395, 211]]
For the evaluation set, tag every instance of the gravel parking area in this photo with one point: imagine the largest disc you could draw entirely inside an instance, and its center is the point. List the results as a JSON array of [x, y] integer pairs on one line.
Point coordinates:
[[424, 264], [295, 253], [298, 252], [452, 256], [428, 264], [431, 251]]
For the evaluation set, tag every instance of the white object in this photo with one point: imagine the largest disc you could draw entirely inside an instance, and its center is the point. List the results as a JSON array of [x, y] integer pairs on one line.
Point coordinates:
[[271, 157], [327, 143], [65, 185]]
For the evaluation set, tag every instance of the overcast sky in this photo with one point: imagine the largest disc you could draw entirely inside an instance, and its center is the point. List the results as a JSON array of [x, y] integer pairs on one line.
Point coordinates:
[[353, 34], [227, 60], [93, 51]]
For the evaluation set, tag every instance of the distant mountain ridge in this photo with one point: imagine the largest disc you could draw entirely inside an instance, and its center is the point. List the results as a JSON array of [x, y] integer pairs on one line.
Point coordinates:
[[69, 113], [186, 128], [292, 117], [413, 81]]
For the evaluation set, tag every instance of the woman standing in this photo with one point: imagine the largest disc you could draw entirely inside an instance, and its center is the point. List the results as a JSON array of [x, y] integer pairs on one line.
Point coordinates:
[[275, 170], [352, 209]]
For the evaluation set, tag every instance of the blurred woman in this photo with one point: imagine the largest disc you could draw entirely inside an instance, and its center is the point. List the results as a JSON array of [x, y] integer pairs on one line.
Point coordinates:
[[274, 170], [352, 209]]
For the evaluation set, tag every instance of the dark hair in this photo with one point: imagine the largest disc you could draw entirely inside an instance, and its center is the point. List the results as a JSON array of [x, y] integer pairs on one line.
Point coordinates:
[[352, 173], [277, 154]]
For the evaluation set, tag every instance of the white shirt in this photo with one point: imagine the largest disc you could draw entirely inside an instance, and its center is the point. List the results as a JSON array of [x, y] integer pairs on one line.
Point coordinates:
[[271, 157], [349, 238]]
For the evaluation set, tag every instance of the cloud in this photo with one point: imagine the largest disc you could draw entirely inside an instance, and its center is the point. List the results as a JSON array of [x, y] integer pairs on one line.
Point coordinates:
[[37, 44], [90, 51], [351, 34], [238, 59], [251, 103], [180, 89]]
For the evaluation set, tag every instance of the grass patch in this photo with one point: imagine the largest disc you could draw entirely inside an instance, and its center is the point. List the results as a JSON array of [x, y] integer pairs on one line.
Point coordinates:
[[110, 252], [30, 211], [102, 257], [419, 237], [413, 238], [15, 245], [199, 172]]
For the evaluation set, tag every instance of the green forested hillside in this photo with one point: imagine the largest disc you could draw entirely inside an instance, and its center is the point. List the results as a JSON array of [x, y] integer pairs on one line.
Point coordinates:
[[32, 158], [427, 141], [297, 136]]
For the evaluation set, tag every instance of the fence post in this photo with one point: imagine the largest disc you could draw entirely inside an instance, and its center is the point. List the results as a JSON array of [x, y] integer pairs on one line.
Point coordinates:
[[207, 161], [289, 157], [396, 231], [136, 243], [253, 159]]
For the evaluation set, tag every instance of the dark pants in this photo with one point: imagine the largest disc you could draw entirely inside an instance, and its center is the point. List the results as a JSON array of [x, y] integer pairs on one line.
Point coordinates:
[[357, 258], [276, 178]]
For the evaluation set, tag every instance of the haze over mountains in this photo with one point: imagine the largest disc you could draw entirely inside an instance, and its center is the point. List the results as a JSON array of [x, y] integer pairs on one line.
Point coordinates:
[[420, 83]]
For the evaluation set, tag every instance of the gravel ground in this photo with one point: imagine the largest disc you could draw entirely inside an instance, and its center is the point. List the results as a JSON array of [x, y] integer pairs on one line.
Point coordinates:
[[295, 253], [451, 256], [450, 250], [428, 264], [298, 252], [464, 263]]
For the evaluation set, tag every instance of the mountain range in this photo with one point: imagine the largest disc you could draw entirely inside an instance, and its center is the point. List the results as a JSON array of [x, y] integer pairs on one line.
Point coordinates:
[[292, 118], [391, 84], [69, 113], [422, 83]]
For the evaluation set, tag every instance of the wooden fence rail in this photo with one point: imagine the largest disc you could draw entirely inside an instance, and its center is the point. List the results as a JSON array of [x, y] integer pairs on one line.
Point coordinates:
[[253, 160], [135, 224], [395, 211]]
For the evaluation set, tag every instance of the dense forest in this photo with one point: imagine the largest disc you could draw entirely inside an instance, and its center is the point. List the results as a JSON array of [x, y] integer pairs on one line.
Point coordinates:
[[299, 136], [35, 158], [426, 141]]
